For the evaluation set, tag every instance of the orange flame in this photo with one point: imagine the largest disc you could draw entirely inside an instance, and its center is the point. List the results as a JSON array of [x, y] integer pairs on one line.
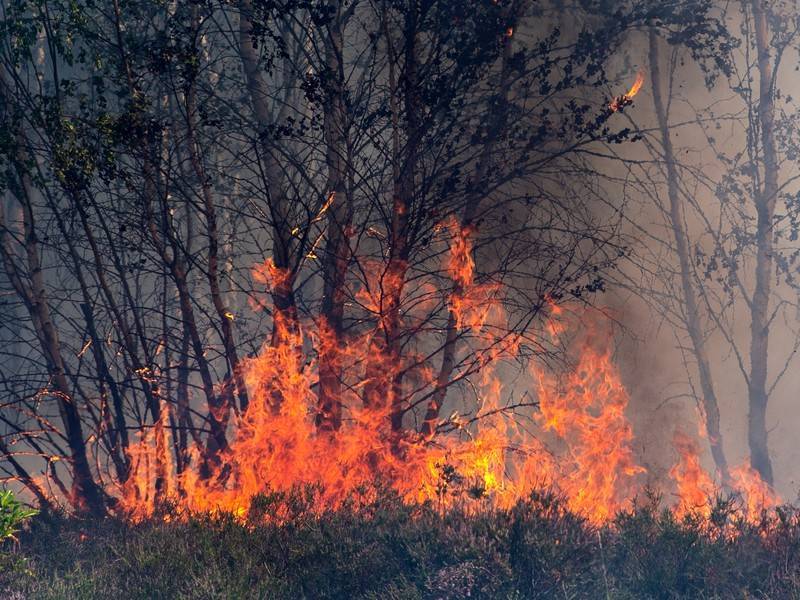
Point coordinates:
[[628, 96], [696, 489], [579, 442], [756, 494], [587, 411]]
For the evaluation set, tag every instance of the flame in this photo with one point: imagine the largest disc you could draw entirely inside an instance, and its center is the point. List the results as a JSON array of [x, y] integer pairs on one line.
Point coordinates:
[[697, 490], [269, 274], [756, 495], [628, 96], [587, 411], [473, 304], [695, 487], [576, 439]]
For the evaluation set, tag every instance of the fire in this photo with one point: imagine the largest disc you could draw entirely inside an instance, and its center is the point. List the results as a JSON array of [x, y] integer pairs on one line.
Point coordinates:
[[575, 437], [695, 487], [756, 495], [628, 96], [471, 303], [587, 412]]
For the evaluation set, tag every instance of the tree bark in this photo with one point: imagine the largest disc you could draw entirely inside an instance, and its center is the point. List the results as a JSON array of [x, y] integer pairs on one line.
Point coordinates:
[[210, 213], [765, 200], [496, 124], [384, 376], [285, 316], [692, 314], [171, 256], [340, 214], [25, 477], [86, 494]]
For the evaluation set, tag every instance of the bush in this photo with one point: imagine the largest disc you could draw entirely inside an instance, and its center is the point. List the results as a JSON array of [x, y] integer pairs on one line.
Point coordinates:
[[385, 549]]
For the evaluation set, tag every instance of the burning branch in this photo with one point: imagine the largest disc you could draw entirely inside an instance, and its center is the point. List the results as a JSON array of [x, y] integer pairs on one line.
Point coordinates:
[[626, 98]]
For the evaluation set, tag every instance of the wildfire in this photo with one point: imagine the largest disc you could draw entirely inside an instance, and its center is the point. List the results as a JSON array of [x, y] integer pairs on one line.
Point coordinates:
[[628, 96], [695, 487], [587, 411], [756, 495], [579, 441]]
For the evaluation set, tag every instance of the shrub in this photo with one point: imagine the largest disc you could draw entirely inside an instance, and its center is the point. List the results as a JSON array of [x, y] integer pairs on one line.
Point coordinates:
[[385, 549], [13, 514]]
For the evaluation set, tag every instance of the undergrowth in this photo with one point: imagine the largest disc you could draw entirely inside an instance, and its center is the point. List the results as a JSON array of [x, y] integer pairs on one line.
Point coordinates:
[[387, 550]]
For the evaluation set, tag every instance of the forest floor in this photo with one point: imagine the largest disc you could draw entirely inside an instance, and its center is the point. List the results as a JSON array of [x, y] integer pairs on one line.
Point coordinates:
[[390, 551]]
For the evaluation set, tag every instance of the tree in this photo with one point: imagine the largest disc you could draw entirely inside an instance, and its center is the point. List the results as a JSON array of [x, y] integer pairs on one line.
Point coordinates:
[[728, 234], [408, 178]]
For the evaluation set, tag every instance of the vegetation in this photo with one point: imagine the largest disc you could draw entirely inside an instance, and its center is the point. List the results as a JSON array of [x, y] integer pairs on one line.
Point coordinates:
[[12, 514], [191, 186], [385, 549], [251, 247]]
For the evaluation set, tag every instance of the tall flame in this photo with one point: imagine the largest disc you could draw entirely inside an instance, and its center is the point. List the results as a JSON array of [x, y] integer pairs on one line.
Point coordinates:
[[579, 441], [586, 409], [695, 486]]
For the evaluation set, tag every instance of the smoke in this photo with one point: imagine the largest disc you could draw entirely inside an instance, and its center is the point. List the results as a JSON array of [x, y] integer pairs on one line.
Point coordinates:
[[714, 131]]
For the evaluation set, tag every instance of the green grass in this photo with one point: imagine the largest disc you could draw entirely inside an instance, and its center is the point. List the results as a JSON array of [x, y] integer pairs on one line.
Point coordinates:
[[389, 551]]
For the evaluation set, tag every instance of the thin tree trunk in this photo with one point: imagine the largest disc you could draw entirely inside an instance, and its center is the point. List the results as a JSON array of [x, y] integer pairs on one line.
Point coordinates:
[[25, 477], [765, 209], [217, 407], [340, 215], [285, 316], [384, 377], [218, 411], [210, 213], [117, 433], [497, 118], [86, 494], [692, 314]]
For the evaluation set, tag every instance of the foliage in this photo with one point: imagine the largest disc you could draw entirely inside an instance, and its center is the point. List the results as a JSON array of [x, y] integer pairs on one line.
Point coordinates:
[[384, 549], [13, 514]]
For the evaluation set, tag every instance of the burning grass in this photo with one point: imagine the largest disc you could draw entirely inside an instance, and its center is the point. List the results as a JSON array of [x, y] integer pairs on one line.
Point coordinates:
[[385, 548]]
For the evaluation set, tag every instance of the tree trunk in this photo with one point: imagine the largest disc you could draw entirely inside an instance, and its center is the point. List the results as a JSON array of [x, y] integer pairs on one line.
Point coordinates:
[[765, 210], [692, 315], [340, 215], [384, 376], [86, 495], [496, 124], [210, 213], [285, 316]]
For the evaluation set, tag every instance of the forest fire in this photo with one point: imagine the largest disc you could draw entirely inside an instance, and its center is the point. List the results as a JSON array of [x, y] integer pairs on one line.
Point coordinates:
[[577, 442], [695, 487], [515, 284]]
